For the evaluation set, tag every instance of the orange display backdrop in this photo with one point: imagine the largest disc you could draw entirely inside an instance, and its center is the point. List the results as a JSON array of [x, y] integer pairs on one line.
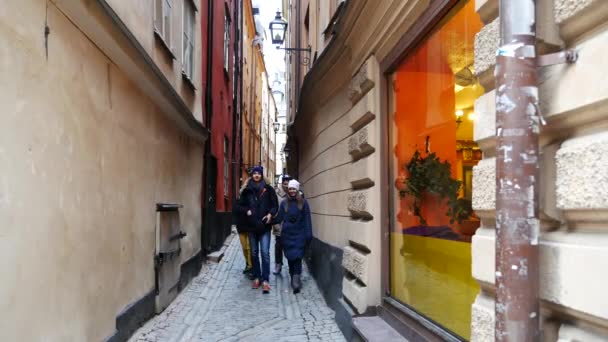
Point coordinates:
[[431, 264], [425, 121]]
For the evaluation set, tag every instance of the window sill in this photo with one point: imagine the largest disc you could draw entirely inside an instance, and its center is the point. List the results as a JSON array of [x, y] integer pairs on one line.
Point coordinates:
[[188, 81], [166, 46], [405, 313]]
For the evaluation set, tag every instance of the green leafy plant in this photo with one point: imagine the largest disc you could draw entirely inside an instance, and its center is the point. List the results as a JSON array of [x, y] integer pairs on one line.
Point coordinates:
[[430, 175]]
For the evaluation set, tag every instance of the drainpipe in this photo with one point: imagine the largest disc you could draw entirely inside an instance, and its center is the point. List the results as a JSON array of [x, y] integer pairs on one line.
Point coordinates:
[[208, 112], [252, 93], [235, 100], [241, 100], [517, 185]]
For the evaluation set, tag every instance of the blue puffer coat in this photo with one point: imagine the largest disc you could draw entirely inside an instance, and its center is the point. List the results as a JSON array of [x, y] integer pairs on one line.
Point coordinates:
[[297, 226]]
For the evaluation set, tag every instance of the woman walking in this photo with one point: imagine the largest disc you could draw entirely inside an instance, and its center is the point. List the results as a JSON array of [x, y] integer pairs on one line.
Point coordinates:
[[296, 232], [256, 207]]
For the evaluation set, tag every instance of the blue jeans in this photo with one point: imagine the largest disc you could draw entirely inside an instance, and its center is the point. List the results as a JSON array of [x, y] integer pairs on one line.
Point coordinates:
[[260, 242]]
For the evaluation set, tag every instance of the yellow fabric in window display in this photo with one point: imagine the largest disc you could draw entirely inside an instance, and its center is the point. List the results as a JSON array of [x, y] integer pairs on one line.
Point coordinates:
[[434, 277]]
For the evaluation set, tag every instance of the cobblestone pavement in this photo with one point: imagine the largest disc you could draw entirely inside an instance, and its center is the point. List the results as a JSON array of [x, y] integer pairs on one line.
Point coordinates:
[[219, 305]]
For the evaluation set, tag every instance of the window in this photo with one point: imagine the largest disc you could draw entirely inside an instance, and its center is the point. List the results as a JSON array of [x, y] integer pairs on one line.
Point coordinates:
[[226, 166], [189, 40], [431, 129], [162, 21], [226, 38]]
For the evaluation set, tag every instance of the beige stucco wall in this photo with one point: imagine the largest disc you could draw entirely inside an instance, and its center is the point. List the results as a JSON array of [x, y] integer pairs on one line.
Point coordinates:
[[340, 172], [138, 16], [574, 183], [84, 158], [339, 134]]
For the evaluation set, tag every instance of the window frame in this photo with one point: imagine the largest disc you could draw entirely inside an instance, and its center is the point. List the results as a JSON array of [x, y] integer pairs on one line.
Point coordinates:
[[163, 30], [408, 42], [227, 26], [189, 41]]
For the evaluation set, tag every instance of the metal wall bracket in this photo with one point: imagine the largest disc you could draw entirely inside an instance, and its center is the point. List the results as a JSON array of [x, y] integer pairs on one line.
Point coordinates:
[[561, 57], [178, 236]]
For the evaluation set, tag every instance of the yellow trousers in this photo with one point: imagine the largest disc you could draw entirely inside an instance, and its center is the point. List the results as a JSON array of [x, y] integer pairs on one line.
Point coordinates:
[[244, 237]]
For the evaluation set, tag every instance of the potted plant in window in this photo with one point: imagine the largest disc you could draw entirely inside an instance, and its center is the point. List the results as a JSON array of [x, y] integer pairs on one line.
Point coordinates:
[[430, 176]]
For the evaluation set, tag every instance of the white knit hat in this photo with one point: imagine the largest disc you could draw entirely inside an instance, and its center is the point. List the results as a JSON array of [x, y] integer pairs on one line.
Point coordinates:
[[293, 184]]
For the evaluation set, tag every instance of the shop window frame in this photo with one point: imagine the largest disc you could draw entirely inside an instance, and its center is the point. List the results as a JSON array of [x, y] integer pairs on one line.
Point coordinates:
[[398, 312]]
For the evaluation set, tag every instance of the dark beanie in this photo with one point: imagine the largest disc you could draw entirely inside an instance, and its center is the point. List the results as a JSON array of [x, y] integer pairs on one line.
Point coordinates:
[[258, 169], [285, 177]]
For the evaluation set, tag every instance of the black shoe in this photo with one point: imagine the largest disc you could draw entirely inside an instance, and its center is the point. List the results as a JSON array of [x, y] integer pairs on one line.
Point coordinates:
[[277, 269], [296, 283], [247, 271]]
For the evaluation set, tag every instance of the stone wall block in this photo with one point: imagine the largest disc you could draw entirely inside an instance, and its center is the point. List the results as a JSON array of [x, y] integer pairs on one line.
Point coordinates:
[[572, 333], [360, 145], [486, 44], [363, 112], [484, 185], [483, 247], [550, 215], [353, 147], [356, 263], [582, 176], [482, 319], [362, 82], [355, 293], [576, 17], [358, 202], [485, 125], [577, 290], [487, 10], [366, 141], [573, 272], [564, 100]]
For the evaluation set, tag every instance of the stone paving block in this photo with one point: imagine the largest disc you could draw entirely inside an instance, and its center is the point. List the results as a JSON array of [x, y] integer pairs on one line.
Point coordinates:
[[219, 305]]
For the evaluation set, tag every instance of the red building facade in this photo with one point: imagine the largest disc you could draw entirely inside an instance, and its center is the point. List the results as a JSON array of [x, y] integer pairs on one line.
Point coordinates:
[[221, 75]]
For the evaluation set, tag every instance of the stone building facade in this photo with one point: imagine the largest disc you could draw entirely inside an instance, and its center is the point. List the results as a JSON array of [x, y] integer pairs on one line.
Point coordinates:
[[102, 120], [384, 67]]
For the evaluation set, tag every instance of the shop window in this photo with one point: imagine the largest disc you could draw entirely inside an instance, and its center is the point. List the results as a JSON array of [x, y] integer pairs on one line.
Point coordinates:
[[433, 154]]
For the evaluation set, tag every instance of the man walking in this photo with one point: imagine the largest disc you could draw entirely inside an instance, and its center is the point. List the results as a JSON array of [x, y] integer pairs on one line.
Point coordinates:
[[256, 207], [276, 229]]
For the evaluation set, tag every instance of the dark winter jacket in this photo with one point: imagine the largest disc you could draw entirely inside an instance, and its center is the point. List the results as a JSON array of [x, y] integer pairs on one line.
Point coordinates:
[[261, 203], [281, 195], [294, 214]]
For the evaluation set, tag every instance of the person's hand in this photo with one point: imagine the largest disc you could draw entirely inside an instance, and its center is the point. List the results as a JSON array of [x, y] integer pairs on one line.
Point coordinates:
[[267, 218], [249, 213]]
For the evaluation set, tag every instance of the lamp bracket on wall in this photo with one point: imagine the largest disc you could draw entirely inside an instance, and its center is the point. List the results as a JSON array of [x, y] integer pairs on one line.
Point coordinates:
[[305, 60]]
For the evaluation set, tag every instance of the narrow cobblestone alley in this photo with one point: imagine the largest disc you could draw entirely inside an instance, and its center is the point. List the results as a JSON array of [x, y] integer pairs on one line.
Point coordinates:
[[219, 305]]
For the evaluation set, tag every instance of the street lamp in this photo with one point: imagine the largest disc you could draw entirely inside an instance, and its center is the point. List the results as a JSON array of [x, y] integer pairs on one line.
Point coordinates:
[[276, 127], [278, 27], [286, 150]]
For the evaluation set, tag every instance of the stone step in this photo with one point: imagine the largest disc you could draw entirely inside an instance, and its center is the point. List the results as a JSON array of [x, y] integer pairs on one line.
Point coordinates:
[[218, 255], [375, 329]]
